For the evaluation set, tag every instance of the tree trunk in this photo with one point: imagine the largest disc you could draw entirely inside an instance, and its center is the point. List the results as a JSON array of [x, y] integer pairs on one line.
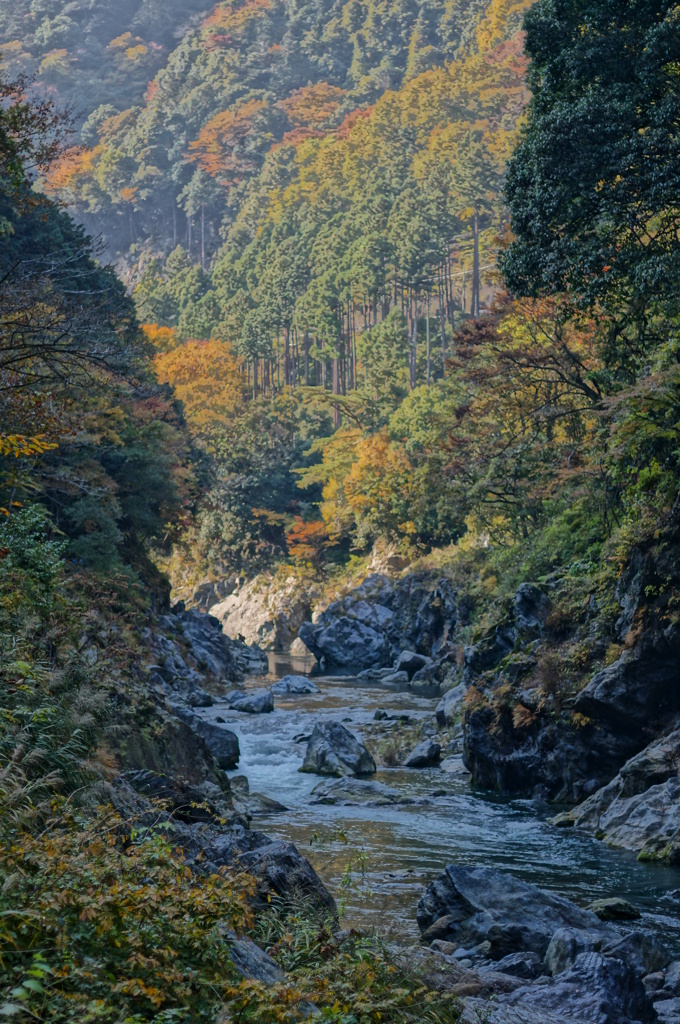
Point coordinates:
[[286, 358], [174, 226], [305, 345], [414, 353], [190, 221], [474, 309], [255, 377], [203, 237], [428, 337]]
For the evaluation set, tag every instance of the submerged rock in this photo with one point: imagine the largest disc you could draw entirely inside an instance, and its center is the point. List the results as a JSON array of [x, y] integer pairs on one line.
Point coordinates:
[[333, 750], [350, 791], [294, 684], [614, 909]]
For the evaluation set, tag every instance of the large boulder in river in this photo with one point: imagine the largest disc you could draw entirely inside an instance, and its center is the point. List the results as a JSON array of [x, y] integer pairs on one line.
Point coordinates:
[[333, 750], [252, 702], [373, 623], [294, 684], [470, 905], [425, 755], [346, 642]]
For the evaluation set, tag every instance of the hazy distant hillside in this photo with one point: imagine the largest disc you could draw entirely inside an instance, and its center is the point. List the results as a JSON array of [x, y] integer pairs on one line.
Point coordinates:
[[90, 52]]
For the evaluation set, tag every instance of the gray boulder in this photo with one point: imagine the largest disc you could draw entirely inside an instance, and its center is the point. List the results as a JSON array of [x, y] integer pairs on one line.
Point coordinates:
[[425, 755], [411, 662], [279, 868], [251, 961], [470, 905], [380, 618], [596, 990], [253, 702], [294, 684], [345, 642], [250, 804], [282, 871], [222, 743], [333, 750], [450, 706]]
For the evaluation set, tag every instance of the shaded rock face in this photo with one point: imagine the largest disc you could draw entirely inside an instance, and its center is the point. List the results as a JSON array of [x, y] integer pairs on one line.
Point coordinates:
[[333, 750], [173, 763], [266, 612], [222, 743], [639, 809], [279, 868], [191, 653], [373, 624], [542, 751]]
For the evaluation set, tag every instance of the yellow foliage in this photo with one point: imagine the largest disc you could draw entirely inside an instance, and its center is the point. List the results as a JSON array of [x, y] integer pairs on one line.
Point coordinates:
[[206, 377]]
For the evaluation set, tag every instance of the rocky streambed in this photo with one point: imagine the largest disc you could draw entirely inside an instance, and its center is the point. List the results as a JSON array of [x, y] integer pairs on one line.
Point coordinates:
[[364, 770]]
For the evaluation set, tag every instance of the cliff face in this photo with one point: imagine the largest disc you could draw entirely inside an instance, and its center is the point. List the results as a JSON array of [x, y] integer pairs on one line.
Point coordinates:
[[538, 723]]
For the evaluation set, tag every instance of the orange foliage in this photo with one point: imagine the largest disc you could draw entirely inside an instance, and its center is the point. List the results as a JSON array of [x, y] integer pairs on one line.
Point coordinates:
[[314, 105], [306, 541], [74, 163], [214, 149], [343, 131], [206, 377]]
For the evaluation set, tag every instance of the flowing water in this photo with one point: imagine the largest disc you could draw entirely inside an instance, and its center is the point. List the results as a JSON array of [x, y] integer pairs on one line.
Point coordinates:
[[377, 860]]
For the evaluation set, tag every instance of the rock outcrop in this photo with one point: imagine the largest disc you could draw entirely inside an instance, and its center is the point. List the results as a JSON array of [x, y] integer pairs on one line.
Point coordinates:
[[333, 750], [639, 809], [267, 612], [542, 737], [380, 619], [565, 965]]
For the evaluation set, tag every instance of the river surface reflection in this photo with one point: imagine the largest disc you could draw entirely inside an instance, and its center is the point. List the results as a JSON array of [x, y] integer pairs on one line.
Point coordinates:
[[377, 860]]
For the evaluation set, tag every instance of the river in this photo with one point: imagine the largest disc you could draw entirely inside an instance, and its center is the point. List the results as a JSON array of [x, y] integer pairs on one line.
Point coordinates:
[[377, 860]]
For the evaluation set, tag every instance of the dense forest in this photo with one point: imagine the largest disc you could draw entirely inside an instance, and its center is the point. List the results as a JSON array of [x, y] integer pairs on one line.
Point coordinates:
[[283, 284]]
